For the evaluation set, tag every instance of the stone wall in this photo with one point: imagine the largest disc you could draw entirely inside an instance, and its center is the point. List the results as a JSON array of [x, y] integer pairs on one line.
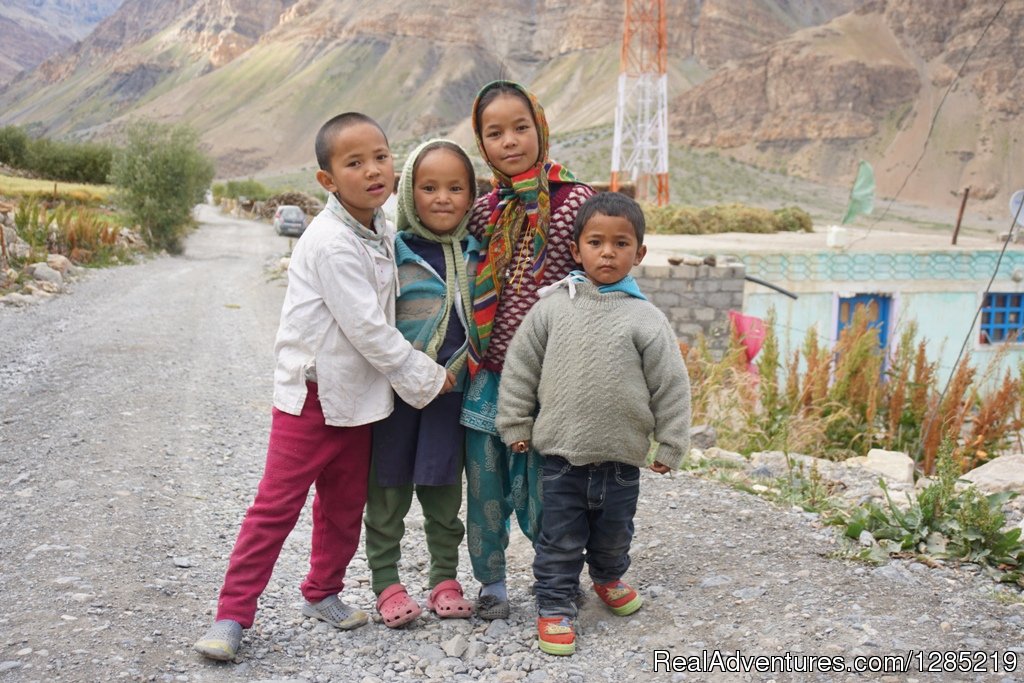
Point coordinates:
[[696, 299]]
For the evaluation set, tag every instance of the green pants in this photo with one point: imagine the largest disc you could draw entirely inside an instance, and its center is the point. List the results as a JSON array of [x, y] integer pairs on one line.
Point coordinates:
[[386, 508], [499, 482]]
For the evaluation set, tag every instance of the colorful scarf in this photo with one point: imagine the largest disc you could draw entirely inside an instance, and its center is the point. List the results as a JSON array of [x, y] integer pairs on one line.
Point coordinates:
[[524, 202], [456, 278]]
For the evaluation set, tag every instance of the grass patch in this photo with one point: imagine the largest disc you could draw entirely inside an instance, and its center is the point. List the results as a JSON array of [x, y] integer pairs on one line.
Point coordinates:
[[77, 193]]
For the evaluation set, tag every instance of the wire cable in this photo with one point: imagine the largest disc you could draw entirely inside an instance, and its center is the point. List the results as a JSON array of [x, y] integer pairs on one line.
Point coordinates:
[[974, 321], [931, 128]]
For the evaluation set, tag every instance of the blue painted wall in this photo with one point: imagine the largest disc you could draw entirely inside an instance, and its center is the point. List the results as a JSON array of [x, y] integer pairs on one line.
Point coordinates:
[[940, 291]]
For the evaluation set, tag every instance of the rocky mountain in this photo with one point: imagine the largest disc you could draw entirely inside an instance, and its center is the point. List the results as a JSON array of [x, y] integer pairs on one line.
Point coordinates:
[[33, 30], [256, 77], [867, 85], [798, 86]]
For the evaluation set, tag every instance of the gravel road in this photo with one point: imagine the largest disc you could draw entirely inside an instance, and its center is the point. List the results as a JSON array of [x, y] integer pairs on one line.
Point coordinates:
[[134, 414]]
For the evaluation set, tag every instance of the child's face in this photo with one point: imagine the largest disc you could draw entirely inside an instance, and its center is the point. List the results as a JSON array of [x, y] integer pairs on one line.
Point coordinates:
[[362, 170], [510, 135], [608, 249], [441, 191]]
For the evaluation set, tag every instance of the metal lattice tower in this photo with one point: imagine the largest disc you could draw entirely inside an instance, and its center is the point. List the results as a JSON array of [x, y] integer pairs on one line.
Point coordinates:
[[640, 145]]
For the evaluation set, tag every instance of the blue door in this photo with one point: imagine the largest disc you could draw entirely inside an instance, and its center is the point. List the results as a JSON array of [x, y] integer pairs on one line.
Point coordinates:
[[878, 307]]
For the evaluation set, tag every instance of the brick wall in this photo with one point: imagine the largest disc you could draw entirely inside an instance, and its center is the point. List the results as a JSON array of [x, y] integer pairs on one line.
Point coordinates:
[[696, 299]]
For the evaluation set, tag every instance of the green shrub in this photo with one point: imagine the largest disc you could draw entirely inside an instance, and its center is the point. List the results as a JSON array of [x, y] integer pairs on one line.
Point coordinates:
[[73, 162], [792, 219], [250, 189], [942, 522], [161, 174], [13, 146], [711, 220]]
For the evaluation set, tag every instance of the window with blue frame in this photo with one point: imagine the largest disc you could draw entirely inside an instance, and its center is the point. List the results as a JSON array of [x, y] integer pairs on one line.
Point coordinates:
[[1002, 318], [878, 307]]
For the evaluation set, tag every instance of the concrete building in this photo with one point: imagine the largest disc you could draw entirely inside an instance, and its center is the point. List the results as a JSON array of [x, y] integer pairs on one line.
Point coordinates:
[[898, 276]]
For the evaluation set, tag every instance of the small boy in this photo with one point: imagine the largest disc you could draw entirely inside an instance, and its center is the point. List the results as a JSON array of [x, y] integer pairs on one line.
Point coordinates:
[[339, 355], [593, 373]]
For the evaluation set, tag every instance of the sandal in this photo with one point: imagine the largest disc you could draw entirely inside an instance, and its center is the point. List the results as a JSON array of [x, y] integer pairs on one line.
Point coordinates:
[[396, 607], [491, 608], [447, 602]]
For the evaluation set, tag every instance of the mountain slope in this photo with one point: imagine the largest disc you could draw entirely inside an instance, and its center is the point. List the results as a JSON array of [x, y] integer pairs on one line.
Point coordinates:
[[877, 78], [33, 30], [256, 77]]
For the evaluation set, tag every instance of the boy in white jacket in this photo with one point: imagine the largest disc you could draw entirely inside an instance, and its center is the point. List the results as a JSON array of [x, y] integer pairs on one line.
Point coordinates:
[[338, 357]]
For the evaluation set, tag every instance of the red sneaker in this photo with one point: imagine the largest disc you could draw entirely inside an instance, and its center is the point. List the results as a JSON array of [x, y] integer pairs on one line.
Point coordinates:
[[556, 635], [619, 596]]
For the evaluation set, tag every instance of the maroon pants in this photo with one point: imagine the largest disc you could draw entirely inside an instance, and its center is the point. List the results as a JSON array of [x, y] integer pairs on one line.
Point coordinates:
[[303, 451]]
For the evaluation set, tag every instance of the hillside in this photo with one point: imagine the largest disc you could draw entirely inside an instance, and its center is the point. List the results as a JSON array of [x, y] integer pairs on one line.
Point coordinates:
[[33, 30], [256, 77], [797, 88], [878, 76]]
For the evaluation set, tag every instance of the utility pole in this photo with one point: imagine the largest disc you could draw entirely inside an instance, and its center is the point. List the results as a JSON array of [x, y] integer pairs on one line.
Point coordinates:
[[640, 145]]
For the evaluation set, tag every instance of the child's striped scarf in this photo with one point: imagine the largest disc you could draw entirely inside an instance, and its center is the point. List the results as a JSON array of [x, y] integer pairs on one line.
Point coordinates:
[[523, 200]]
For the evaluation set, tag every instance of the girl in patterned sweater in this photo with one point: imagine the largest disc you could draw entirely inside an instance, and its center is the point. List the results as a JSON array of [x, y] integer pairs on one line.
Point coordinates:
[[525, 226]]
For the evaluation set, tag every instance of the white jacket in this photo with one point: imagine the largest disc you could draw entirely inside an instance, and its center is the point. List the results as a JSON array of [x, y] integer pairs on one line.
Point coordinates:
[[339, 318]]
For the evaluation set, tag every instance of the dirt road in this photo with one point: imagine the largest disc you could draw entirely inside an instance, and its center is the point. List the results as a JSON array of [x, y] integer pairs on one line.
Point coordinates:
[[133, 422]]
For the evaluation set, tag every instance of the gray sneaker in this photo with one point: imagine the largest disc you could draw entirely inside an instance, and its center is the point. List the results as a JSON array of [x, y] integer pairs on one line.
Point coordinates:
[[221, 641], [336, 613]]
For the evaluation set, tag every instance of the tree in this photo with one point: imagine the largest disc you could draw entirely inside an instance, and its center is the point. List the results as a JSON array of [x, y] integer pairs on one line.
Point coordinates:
[[161, 173], [13, 146]]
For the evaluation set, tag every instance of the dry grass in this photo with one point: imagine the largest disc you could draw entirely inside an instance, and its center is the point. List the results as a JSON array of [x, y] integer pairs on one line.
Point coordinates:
[[85, 235], [78, 193], [843, 401]]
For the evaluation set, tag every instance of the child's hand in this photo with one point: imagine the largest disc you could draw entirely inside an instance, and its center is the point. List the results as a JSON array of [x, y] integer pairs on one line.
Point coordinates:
[[449, 382], [520, 446], [659, 468]]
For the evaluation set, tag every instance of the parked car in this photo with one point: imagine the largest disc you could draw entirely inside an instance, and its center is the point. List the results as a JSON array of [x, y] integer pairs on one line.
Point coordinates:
[[289, 220]]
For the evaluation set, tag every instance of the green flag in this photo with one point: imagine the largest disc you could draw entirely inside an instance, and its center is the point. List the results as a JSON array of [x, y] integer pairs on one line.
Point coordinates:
[[862, 196]]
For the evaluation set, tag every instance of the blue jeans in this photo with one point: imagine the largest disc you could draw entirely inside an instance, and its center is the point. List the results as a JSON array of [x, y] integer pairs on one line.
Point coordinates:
[[587, 515]]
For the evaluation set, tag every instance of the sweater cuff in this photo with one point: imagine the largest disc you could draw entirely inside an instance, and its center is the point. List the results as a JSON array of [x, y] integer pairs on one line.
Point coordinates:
[[669, 456], [510, 435]]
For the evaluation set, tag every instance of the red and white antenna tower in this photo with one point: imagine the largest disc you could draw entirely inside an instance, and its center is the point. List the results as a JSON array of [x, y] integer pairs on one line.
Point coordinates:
[[640, 145]]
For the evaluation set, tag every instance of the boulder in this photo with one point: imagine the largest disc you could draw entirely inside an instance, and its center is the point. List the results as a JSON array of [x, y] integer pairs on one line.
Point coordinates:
[[724, 456], [59, 262], [892, 465], [16, 247], [1005, 473], [702, 436], [41, 271], [780, 463]]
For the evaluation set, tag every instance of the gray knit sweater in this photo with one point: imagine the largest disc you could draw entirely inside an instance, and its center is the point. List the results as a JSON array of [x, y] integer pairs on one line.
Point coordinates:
[[592, 378]]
